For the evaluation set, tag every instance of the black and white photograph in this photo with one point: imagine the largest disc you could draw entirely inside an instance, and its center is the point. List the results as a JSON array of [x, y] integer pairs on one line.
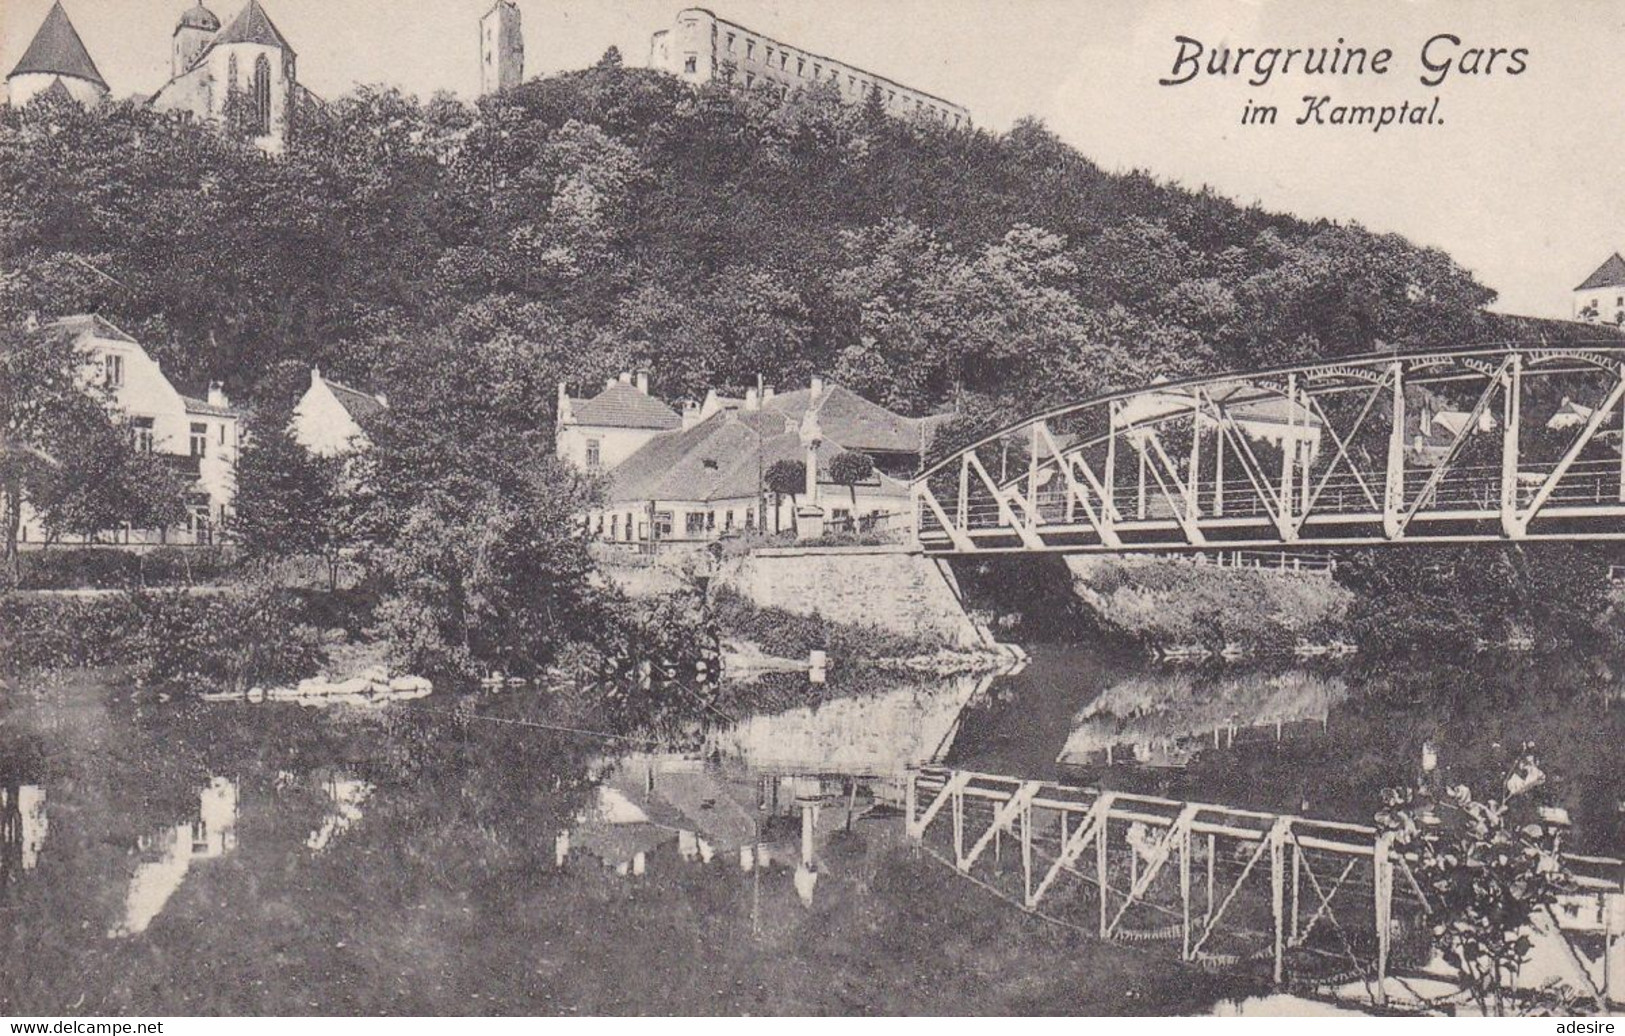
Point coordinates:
[[557, 509]]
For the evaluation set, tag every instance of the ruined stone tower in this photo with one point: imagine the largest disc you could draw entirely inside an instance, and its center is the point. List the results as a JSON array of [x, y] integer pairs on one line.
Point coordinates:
[[502, 49]]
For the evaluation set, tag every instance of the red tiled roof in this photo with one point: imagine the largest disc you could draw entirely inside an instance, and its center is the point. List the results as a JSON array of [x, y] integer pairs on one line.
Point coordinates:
[[622, 406], [57, 48], [1610, 274]]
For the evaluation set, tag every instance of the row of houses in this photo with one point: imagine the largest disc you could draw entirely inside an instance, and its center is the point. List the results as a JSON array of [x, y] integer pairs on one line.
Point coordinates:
[[201, 436], [702, 474]]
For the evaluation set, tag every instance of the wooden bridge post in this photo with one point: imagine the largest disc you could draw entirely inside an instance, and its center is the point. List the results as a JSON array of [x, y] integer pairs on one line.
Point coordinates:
[[1027, 854], [1277, 837], [1212, 859], [958, 806], [1297, 887], [1382, 883], [911, 802], [1289, 452]]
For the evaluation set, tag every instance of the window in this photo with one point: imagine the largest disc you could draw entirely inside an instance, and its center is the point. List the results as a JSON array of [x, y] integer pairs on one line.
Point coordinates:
[[115, 370], [818, 70], [730, 43], [694, 523], [750, 79], [614, 526], [710, 521], [769, 56], [262, 96], [784, 62], [750, 50], [750, 517], [141, 434], [692, 64], [200, 438], [222, 433], [728, 520], [594, 454], [801, 66]]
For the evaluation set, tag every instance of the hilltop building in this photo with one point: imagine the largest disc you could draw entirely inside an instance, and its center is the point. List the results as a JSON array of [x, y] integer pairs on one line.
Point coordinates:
[[328, 419], [502, 49], [56, 63], [246, 72], [199, 436], [701, 48], [1600, 298], [597, 434]]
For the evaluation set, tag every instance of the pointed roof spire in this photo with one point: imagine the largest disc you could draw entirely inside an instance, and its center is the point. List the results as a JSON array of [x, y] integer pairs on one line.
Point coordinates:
[[58, 50], [252, 25], [1609, 274]]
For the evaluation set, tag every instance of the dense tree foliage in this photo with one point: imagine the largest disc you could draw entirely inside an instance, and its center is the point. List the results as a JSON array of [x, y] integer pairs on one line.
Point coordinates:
[[613, 214]]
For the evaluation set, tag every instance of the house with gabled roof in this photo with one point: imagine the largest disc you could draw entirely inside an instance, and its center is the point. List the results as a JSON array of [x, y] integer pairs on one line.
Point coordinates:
[[697, 483], [330, 418], [200, 436], [597, 433], [57, 64], [1600, 298]]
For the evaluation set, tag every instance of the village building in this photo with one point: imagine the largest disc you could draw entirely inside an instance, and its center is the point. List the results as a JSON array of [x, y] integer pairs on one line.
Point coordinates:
[[200, 437], [328, 420], [1600, 298], [245, 73], [706, 479], [56, 63], [702, 48], [598, 433]]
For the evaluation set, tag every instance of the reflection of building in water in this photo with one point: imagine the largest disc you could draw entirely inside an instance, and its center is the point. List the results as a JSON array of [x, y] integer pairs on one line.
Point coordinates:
[[166, 855], [22, 829], [879, 734], [344, 798], [1165, 718]]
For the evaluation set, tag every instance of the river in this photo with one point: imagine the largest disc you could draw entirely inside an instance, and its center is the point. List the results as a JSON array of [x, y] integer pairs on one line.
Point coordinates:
[[460, 854]]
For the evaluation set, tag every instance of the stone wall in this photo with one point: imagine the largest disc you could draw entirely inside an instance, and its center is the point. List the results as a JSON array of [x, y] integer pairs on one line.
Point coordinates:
[[891, 587]]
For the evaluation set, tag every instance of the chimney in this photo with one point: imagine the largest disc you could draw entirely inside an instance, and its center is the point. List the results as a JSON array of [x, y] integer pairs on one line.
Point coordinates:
[[626, 377], [643, 382], [752, 401], [767, 394], [817, 387], [217, 395], [691, 414], [315, 376]]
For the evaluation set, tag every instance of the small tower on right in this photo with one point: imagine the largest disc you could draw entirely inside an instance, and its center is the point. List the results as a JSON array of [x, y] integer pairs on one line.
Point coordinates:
[[502, 49]]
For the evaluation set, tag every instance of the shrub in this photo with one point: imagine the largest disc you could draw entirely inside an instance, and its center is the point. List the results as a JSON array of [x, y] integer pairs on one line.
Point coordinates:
[[52, 632], [255, 634], [789, 634], [104, 568]]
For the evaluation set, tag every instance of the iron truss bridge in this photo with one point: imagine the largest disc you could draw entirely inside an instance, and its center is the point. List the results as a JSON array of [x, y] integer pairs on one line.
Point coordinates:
[[1462, 446], [1322, 903]]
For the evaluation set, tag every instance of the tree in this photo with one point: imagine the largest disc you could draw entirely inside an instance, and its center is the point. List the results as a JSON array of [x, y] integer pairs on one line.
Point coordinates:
[[848, 468], [292, 502], [1489, 866], [785, 478], [63, 452], [611, 58]]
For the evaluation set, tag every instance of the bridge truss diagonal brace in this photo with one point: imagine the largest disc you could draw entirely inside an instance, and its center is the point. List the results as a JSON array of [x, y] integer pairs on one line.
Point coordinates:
[[956, 535], [1004, 819], [1099, 521], [1342, 454], [1092, 823], [1498, 380], [1520, 522], [1175, 837], [1161, 464], [1277, 510], [1007, 514], [955, 786]]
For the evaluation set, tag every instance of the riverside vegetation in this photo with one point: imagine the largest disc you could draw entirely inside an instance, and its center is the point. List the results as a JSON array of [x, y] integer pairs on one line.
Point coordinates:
[[465, 259]]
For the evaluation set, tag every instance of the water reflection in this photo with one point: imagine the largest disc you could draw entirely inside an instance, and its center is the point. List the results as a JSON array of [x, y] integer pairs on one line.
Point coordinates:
[[166, 856], [227, 835]]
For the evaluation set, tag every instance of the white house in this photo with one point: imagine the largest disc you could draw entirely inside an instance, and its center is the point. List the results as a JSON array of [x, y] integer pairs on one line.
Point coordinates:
[[202, 436], [328, 417], [1600, 298], [597, 434]]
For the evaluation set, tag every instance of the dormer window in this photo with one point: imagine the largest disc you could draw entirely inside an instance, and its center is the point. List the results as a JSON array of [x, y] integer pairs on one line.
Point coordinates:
[[113, 364]]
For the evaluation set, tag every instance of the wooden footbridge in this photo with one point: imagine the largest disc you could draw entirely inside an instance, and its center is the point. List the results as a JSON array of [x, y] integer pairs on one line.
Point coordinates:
[[1481, 444], [1317, 901]]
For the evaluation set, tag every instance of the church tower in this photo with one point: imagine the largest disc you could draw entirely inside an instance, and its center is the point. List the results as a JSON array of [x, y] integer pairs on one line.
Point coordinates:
[[192, 34], [502, 49], [56, 63]]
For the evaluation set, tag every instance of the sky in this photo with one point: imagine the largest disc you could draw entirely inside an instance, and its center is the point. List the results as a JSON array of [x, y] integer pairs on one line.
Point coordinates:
[[1521, 181]]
